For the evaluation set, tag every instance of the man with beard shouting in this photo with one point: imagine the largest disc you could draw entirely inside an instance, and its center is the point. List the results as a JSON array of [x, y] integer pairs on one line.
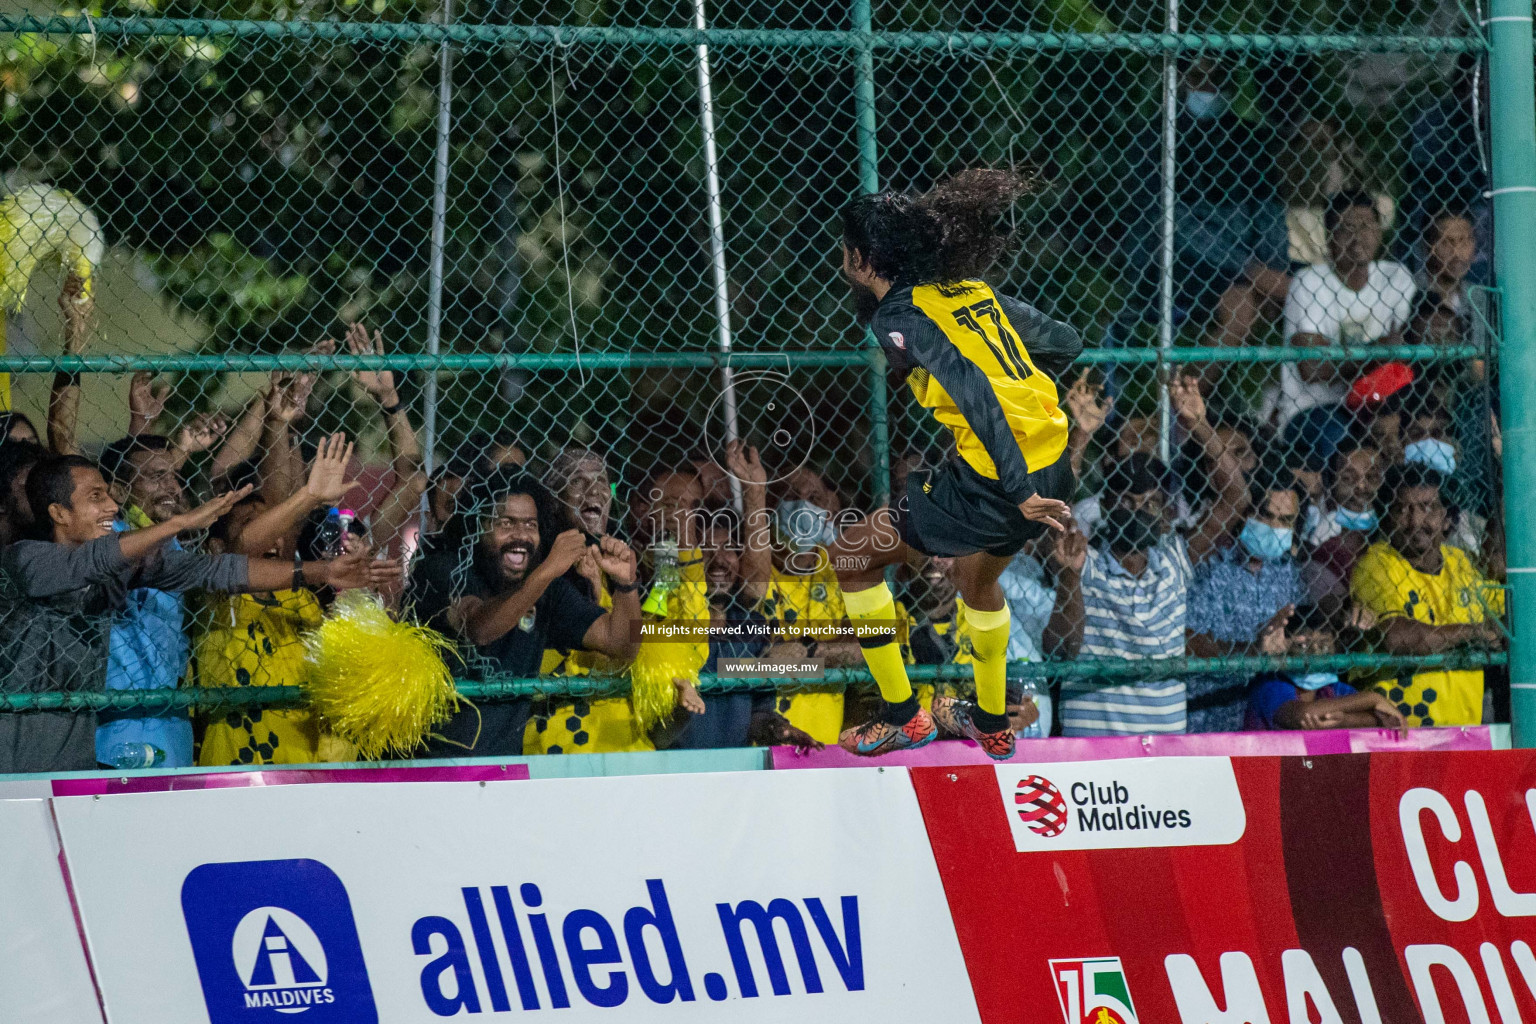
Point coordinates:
[[986, 366], [497, 580]]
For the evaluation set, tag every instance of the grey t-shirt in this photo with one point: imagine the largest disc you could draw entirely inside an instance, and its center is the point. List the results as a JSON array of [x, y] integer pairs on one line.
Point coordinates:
[[56, 607]]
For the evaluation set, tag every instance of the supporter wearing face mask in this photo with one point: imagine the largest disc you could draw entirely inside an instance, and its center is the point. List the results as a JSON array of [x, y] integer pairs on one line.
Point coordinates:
[[1242, 599], [1347, 522], [1125, 597]]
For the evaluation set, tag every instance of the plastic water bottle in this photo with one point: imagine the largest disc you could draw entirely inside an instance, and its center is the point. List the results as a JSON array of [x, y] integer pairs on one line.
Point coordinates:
[[137, 755], [668, 575], [333, 531]]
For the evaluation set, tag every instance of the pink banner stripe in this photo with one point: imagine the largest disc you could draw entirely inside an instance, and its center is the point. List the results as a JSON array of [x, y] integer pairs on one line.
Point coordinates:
[[1098, 748], [287, 777]]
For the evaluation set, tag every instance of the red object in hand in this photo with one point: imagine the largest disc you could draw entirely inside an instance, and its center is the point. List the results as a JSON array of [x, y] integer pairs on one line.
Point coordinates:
[[1372, 388]]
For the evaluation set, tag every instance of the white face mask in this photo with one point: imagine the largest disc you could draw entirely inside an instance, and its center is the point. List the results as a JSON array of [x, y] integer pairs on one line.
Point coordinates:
[[805, 525], [1437, 455], [1204, 106]]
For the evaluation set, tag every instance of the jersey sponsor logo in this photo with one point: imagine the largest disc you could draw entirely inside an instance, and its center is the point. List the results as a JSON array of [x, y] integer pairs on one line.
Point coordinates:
[[276, 937], [1093, 990], [1112, 805], [898, 339]]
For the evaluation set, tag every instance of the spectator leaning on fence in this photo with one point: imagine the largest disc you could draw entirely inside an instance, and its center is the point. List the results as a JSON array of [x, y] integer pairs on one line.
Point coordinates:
[[497, 579], [1353, 299], [148, 647], [1316, 699], [1428, 598], [58, 593]]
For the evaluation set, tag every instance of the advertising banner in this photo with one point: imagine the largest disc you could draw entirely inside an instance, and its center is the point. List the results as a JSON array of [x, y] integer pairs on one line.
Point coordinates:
[[1211, 744], [1357, 889], [43, 972], [749, 896]]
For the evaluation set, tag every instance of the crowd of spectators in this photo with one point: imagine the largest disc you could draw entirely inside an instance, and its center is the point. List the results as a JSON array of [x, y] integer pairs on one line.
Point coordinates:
[[1340, 505]]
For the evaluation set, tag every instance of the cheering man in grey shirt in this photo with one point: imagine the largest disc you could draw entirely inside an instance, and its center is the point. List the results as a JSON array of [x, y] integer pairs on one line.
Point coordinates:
[[58, 593]]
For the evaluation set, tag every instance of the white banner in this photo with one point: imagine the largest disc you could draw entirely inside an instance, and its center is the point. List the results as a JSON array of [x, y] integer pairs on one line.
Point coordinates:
[[779, 896], [1125, 804], [43, 975]]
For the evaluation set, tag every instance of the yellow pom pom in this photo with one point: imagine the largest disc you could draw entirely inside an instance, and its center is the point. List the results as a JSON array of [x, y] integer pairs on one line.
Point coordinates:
[[379, 683], [650, 679], [40, 223]]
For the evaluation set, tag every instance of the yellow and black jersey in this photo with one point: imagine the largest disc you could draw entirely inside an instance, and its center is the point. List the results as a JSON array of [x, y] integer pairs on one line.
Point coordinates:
[[986, 365]]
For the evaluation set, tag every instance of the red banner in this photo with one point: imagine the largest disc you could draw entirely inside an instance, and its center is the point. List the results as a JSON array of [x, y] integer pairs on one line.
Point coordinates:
[[1350, 889]]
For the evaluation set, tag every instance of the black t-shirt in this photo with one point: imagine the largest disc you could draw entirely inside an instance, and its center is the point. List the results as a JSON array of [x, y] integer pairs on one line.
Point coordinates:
[[560, 618]]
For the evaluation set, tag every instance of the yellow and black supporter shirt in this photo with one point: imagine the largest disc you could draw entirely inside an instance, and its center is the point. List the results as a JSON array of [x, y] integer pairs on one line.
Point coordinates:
[[986, 366]]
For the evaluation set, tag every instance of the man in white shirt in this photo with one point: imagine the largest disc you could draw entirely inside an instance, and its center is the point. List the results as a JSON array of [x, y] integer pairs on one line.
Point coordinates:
[[1354, 299]]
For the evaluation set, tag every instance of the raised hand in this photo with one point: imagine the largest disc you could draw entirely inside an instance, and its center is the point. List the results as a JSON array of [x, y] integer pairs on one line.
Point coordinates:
[[616, 559], [1069, 550], [146, 402], [207, 514], [289, 396], [566, 551], [1187, 401], [77, 309], [378, 383], [1088, 404], [328, 481], [1053, 513], [744, 463], [1272, 638], [201, 432]]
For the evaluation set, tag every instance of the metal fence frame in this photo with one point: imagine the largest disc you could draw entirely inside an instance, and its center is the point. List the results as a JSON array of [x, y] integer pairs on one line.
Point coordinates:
[[1505, 38]]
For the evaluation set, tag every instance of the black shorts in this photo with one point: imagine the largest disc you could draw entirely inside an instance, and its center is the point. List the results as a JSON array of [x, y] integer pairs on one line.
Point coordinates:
[[953, 510]]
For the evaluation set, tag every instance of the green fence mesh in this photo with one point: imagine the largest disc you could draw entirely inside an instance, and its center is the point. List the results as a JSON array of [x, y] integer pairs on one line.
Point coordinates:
[[1268, 221]]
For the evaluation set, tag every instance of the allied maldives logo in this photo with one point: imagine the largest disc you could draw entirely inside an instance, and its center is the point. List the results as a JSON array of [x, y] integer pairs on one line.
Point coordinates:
[[1041, 807], [276, 937]]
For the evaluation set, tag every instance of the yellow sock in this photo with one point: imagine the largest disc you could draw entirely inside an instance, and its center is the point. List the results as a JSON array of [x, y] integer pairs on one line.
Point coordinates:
[[881, 652], [989, 641]]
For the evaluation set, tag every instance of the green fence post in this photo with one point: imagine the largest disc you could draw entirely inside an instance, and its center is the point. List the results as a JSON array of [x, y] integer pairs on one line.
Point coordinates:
[[869, 180], [1512, 111]]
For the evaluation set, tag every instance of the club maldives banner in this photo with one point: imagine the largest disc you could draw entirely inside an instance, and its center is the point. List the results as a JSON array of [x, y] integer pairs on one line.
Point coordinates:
[[1367, 889]]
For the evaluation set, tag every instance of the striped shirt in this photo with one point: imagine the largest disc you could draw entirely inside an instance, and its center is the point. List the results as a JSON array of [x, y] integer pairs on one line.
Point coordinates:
[[1131, 617]]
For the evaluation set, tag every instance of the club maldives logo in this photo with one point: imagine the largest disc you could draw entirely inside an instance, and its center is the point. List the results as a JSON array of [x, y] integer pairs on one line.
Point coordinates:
[[1093, 991], [276, 937], [1041, 806], [1111, 805]]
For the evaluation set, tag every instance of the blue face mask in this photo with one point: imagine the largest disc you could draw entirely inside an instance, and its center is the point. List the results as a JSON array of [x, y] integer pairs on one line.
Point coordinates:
[[1264, 542], [805, 525], [1437, 455], [1204, 106], [1351, 520], [1314, 680]]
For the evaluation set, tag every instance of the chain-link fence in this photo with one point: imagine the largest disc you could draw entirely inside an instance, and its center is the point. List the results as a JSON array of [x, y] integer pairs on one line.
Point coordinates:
[[602, 240]]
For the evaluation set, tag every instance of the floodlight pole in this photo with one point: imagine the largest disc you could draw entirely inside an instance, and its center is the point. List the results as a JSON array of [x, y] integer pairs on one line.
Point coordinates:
[[1165, 262], [717, 245]]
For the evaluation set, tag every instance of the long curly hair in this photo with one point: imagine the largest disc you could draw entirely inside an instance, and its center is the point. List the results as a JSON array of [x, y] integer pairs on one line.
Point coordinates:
[[953, 232]]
